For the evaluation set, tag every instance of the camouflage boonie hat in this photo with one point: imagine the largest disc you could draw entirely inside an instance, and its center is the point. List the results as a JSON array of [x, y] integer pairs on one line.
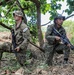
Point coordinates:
[[18, 13]]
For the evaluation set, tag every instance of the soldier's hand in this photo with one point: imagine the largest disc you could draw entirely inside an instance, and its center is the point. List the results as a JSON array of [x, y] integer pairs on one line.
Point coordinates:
[[17, 49], [57, 37], [68, 45]]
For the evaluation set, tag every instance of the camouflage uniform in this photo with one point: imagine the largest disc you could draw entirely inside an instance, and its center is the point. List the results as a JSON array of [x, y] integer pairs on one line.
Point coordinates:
[[22, 34], [54, 45], [21, 41]]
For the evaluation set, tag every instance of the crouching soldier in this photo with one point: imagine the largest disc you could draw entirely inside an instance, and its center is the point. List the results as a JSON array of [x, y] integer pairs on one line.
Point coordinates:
[[22, 35], [54, 41]]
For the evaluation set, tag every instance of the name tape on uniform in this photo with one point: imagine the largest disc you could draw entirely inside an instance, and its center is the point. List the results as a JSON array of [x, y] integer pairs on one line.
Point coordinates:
[[24, 30]]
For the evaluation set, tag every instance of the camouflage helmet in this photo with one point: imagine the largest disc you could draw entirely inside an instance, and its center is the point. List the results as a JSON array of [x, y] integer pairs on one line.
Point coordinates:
[[18, 13], [59, 17]]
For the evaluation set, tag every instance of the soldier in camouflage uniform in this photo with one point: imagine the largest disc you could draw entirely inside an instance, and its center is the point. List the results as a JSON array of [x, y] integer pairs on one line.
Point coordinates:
[[54, 42], [22, 34]]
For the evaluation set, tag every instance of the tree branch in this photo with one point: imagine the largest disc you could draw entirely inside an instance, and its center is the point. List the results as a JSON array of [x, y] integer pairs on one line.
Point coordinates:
[[5, 26], [25, 20], [10, 9], [69, 16], [37, 3], [9, 1], [65, 19], [0, 3], [4, 1], [46, 23]]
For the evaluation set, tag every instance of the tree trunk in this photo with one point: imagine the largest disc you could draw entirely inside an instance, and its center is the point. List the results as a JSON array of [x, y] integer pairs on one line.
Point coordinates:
[[40, 37]]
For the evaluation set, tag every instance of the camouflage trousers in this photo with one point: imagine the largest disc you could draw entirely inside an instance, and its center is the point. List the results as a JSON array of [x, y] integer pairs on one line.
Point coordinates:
[[21, 55], [51, 49]]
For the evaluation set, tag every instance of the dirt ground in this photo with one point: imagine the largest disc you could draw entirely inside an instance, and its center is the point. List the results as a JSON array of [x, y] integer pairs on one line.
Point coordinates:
[[58, 67]]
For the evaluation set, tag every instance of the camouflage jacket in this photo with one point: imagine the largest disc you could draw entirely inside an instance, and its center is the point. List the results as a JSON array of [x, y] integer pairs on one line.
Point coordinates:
[[50, 36], [22, 33]]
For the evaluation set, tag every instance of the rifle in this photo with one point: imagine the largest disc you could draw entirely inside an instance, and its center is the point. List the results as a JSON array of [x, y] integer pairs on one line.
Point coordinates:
[[63, 38], [13, 42], [13, 38], [36, 46]]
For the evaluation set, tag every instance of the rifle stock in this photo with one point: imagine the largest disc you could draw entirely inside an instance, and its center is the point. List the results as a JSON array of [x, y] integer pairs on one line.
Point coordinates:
[[36, 46]]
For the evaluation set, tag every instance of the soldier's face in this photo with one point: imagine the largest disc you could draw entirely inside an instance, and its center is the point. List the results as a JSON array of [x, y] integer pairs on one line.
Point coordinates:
[[17, 18], [59, 21]]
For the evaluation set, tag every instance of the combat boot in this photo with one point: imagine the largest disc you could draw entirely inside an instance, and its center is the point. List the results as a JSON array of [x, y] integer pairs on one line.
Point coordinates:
[[65, 62], [49, 63]]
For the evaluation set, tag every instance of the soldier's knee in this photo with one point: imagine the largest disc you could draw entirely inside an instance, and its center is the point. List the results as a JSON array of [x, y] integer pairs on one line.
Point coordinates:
[[6, 46], [47, 47], [67, 48]]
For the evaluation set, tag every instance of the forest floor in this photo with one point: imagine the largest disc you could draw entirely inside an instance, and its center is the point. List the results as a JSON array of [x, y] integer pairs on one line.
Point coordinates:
[[9, 64]]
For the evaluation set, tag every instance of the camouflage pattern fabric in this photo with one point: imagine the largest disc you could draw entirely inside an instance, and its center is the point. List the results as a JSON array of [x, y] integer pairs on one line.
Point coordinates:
[[22, 34], [53, 45]]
